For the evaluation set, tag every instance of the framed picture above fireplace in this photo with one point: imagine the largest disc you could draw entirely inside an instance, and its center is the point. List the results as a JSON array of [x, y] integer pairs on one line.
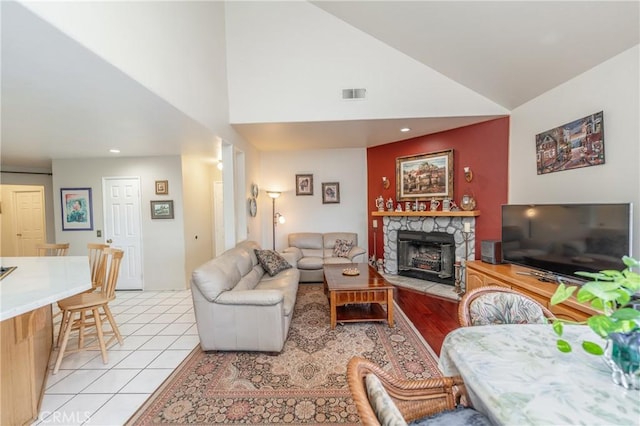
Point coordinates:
[[425, 176]]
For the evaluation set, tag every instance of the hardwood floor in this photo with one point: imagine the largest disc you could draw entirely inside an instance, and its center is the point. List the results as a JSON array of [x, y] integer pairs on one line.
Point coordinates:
[[433, 317]]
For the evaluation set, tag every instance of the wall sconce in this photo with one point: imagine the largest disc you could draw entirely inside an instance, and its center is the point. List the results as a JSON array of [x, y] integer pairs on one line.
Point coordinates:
[[277, 217], [385, 182], [468, 174]]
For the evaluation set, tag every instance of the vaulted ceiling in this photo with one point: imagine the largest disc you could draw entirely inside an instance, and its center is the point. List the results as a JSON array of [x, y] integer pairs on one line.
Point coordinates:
[[60, 100]]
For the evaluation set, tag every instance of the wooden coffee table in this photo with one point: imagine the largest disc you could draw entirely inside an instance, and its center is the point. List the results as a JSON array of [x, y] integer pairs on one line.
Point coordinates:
[[360, 297]]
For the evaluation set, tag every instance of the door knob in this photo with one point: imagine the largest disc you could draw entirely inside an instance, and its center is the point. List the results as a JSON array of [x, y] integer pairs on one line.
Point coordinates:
[[109, 241], [18, 235]]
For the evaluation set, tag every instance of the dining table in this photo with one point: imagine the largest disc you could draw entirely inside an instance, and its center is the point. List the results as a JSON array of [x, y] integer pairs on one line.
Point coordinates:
[[515, 375]]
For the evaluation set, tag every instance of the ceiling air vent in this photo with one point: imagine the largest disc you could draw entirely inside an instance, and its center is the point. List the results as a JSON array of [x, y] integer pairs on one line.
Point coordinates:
[[353, 93]]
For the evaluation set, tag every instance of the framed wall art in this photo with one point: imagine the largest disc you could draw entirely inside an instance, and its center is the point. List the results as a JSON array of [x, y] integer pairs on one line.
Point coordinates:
[[304, 184], [572, 145], [162, 187], [425, 176], [330, 192], [162, 209], [77, 209]]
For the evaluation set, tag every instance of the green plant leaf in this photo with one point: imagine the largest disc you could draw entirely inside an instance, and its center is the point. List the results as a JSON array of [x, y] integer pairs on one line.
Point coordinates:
[[592, 348], [558, 327], [626, 314], [563, 346], [630, 262], [593, 275], [602, 325], [562, 293]]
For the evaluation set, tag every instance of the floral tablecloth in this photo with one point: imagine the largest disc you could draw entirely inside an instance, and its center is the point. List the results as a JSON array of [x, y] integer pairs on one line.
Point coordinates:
[[515, 375]]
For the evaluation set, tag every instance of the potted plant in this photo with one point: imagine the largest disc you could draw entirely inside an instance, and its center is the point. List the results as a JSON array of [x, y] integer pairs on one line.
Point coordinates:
[[610, 293]]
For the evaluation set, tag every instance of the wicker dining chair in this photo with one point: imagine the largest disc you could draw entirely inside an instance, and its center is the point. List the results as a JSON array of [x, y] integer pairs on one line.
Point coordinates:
[[413, 399], [51, 249], [494, 305]]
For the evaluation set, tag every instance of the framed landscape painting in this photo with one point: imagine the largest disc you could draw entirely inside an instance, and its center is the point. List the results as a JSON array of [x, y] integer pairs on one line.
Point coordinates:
[[577, 144], [162, 209], [76, 209], [425, 176]]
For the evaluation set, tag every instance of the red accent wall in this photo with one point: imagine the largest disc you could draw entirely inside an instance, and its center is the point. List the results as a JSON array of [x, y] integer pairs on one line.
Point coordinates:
[[484, 147]]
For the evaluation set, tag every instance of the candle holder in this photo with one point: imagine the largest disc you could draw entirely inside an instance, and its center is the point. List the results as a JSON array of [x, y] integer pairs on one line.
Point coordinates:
[[466, 237], [458, 278], [459, 266]]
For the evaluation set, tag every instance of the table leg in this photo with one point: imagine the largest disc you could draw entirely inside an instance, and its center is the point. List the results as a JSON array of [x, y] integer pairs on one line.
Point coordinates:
[[390, 307], [332, 304]]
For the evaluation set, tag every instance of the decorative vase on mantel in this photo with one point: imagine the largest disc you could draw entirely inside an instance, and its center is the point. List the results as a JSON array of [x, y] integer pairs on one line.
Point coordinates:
[[622, 354]]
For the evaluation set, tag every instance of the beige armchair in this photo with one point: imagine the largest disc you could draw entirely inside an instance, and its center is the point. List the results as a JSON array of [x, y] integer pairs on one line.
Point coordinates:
[[312, 250]]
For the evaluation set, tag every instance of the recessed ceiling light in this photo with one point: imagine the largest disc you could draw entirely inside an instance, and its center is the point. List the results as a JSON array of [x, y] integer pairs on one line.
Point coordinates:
[[405, 129], [114, 151]]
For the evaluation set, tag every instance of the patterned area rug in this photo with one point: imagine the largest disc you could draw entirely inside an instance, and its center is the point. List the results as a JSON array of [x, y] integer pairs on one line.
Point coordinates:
[[304, 384]]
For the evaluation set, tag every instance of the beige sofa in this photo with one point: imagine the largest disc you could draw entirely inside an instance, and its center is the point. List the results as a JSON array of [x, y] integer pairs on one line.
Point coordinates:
[[312, 250], [240, 307]]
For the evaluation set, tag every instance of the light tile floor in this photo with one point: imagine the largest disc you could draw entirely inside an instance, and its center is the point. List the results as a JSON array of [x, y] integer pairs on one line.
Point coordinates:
[[159, 331]]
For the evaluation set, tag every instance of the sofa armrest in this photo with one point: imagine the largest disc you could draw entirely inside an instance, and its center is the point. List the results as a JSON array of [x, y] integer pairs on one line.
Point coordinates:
[[355, 252], [251, 297], [293, 253]]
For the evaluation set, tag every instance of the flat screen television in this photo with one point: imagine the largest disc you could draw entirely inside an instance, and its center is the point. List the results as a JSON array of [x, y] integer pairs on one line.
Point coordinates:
[[561, 239]]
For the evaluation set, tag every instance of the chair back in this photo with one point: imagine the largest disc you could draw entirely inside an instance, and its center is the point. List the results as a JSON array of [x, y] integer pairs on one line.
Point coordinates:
[[500, 305], [97, 263], [113, 257], [50, 249]]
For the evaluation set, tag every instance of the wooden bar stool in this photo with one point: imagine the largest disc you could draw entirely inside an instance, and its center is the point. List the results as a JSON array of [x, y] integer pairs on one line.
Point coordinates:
[[85, 311], [96, 264], [51, 249]]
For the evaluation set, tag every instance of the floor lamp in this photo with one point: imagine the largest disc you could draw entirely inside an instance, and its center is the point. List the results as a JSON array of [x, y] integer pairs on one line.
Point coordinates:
[[277, 217]]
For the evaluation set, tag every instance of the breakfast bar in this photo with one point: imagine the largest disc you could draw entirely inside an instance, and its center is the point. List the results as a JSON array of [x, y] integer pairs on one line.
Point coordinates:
[[27, 291]]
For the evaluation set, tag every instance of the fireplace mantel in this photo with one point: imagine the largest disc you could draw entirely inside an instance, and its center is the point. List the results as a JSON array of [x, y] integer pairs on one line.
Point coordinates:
[[459, 213]]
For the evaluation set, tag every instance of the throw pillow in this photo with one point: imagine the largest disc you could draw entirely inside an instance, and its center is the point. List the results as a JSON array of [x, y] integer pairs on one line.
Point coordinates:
[[381, 403], [271, 261], [342, 248]]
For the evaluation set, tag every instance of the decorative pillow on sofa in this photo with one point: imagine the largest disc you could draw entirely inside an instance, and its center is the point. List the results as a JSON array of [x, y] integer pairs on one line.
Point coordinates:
[[342, 248], [271, 261]]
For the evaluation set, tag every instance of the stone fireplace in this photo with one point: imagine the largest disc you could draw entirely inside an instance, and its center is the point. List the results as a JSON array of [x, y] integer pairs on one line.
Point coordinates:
[[443, 226]]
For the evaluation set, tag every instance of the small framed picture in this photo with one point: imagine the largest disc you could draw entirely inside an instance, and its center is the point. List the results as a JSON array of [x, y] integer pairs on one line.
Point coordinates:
[[162, 209], [330, 192], [162, 187], [77, 209], [304, 184]]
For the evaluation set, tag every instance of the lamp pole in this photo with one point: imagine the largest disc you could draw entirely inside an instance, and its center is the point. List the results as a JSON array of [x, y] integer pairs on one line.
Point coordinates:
[[273, 221], [273, 195]]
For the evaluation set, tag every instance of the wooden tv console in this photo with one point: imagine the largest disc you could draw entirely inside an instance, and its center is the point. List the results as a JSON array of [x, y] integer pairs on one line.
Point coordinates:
[[480, 274]]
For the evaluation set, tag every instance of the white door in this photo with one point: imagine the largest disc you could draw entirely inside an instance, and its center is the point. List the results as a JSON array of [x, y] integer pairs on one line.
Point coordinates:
[[29, 220], [122, 227]]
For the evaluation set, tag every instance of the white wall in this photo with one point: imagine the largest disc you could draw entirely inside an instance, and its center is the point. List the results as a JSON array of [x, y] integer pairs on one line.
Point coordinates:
[[612, 87], [299, 57], [172, 48], [307, 213], [198, 176], [163, 246]]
